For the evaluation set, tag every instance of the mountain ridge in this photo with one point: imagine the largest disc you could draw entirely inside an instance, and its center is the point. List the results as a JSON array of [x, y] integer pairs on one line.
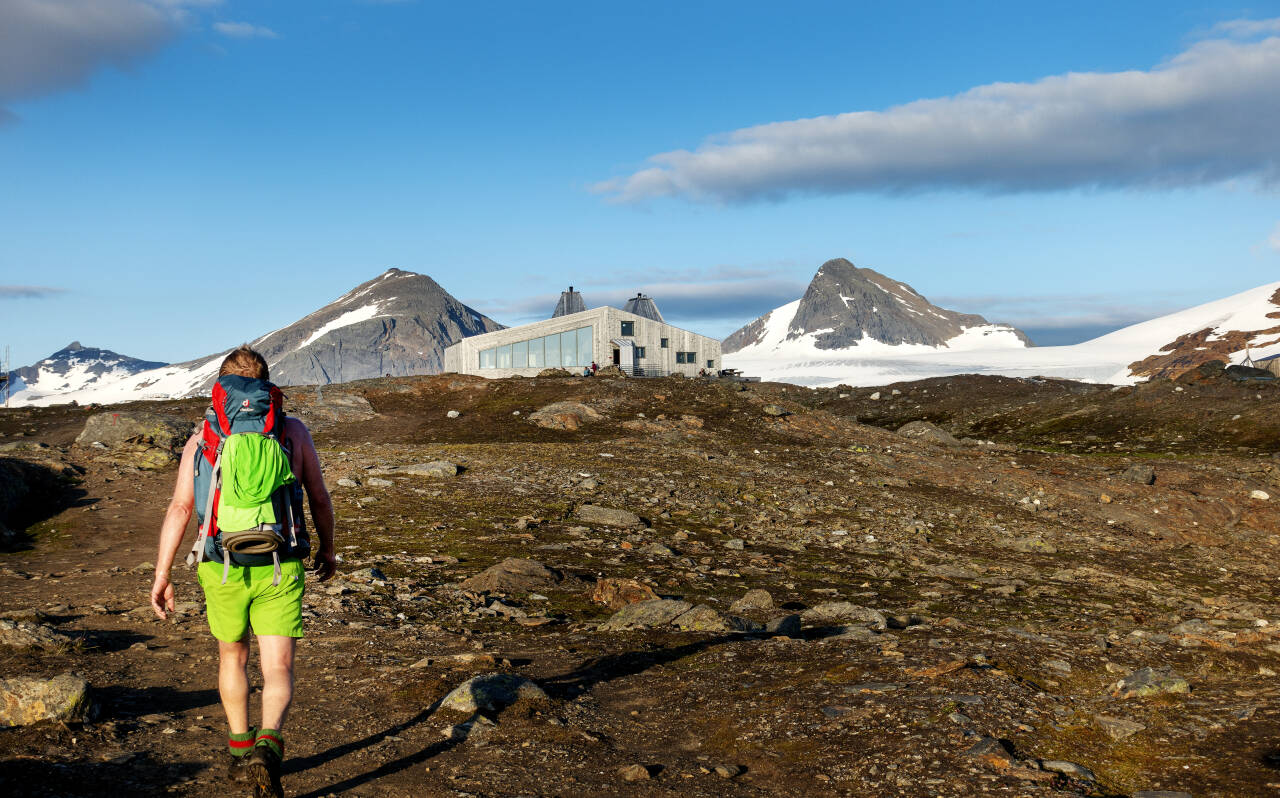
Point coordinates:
[[397, 323]]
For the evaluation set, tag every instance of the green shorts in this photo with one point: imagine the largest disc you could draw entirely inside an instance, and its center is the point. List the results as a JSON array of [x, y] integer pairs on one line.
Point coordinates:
[[249, 599]]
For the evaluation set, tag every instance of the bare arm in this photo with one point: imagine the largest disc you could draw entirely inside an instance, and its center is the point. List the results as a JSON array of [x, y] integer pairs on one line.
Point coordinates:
[[173, 528], [307, 470]]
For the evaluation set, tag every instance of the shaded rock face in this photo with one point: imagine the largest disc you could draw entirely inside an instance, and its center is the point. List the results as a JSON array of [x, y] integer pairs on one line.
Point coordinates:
[[26, 700], [141, 440], [398, 323], [845, 304], [28, 492]]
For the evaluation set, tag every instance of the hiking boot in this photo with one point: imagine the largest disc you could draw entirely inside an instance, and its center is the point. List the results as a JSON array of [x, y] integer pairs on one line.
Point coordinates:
[[237, 767], [263, 770]]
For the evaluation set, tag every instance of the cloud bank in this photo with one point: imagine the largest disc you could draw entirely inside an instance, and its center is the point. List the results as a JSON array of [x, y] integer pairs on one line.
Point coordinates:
[[27, 291], [1208, 115], [723, 294], [48, 45]]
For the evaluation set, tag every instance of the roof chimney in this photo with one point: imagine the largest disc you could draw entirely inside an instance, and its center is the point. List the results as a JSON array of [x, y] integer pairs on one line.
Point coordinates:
[[642, 305], [570, 302]]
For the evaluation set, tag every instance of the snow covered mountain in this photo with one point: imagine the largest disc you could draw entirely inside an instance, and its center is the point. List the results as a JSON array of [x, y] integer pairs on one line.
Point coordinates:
[[398, 323], [1227, 329], [76, 368], [860, 312]]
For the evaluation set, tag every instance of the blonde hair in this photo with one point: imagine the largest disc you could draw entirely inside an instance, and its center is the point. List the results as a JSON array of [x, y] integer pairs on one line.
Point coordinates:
[[244, 362]]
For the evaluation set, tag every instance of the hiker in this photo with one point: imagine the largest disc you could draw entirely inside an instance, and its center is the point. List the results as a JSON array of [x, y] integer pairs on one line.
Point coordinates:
[[586, 371], [594, 368], [246, 490]]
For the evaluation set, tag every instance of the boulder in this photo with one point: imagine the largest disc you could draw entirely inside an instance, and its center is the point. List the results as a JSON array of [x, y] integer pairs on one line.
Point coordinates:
[[753, 600], [1150, 681], [138, 439], [554, 372], [701, 619], [646, 615], [606, 516], [24, 634], [514, 575], [491, 692], [787, 625], [1248, 373], [611, 371], [436, 468], [336, 407], [1140, 473], [563, 415], [842, 612], [25, 700], [618, 593], [777, 411], [927, 431]]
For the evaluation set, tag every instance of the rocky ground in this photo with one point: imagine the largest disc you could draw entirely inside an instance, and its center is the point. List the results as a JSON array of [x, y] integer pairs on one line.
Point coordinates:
[[678, 587]]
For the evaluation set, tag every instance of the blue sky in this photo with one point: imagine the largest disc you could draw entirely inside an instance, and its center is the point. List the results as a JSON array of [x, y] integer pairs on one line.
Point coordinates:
[[182, 175]]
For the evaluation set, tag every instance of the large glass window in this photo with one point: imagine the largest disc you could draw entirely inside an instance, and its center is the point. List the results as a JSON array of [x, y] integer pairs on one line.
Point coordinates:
[[552, 344], [585, 353], [569, 348]]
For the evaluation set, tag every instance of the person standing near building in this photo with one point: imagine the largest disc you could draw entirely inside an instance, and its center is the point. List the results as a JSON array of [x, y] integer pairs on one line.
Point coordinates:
[[594, 368], [257, 590]]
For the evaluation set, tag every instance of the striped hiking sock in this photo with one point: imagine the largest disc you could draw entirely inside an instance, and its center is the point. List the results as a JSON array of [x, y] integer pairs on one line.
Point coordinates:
[[272, 739], [241, 744]]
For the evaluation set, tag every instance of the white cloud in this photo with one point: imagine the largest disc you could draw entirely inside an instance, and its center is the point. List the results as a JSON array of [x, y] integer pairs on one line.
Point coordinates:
[[244, 30], [1274, 240], [1208, 115], [1246, 28]]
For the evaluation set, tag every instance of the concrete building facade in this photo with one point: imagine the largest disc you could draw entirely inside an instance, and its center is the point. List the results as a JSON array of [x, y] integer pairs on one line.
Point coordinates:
[[605, 335]]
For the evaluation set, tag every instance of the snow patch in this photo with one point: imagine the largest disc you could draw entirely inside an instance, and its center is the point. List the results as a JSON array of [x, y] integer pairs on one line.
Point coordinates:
[[345, 320]]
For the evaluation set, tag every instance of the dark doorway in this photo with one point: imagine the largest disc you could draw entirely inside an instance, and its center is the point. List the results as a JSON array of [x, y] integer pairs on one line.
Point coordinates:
[[617, 357]]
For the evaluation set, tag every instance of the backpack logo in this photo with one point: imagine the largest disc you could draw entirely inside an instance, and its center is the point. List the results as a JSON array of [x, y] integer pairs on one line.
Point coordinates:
[[245, 404]]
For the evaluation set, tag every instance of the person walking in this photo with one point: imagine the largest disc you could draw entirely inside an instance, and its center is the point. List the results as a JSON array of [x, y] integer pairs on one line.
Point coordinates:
[[594, 368], [246, 490]]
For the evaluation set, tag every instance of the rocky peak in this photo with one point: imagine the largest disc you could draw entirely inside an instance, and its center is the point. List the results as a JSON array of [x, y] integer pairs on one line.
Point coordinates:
[[845, 304], [398, 323]]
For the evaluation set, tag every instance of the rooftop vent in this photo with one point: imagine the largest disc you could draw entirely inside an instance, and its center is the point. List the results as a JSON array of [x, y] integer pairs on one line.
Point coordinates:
[[642, 305], [570, 302]]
